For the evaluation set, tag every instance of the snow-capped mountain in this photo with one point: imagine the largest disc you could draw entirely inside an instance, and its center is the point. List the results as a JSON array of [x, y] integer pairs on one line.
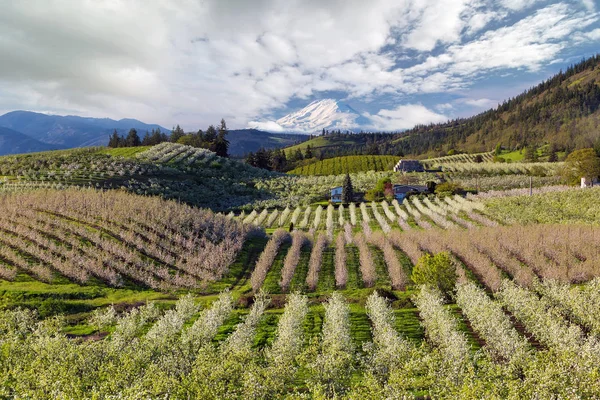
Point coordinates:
[[326, 114]]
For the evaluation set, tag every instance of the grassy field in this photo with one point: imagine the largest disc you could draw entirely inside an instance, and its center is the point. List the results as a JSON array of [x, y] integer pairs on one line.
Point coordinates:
[[320, 142], [90, 263], [347, 165]]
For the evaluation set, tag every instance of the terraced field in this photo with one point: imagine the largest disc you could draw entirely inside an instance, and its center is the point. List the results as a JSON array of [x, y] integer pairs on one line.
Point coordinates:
[[107, 293]]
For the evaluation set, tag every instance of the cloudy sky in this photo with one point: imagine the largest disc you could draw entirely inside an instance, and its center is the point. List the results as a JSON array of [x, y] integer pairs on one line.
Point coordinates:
[[191, 62]]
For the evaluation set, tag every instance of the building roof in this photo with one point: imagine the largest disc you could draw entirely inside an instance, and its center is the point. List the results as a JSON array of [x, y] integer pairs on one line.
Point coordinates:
[[415, 187]]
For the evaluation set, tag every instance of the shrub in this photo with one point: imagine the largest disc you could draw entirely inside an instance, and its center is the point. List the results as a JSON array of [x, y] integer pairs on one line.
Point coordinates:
[[437, 271], [448, 188]]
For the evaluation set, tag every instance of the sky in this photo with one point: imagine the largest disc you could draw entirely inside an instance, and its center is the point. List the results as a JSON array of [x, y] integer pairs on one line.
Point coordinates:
[[193, 62]]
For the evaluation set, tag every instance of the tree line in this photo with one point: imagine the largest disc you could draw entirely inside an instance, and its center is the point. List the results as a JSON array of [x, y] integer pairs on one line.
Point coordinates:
[[278, 160], [555, 113], [213, 139]]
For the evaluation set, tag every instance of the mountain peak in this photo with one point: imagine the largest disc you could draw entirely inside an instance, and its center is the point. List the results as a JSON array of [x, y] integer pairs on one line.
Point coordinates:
[[329, 114]]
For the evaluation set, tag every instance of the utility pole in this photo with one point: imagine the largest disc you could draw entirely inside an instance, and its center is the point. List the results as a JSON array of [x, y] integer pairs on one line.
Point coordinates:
[[531, 185]]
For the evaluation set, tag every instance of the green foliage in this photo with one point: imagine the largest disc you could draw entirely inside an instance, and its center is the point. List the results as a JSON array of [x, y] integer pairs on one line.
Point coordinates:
[[583, 163], [347, 190], [563, 109], [437, 271], [572, 206], [383, 189], [346, 165], [448, 188]]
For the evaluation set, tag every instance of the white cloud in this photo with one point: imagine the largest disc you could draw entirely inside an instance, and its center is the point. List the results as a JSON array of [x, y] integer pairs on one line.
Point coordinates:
[[444, 107], [445, 16], [589, 4], [405, 117], [593, 35], [517, 5], [270, 126], [481, 103], [191, 62], [529, 43]]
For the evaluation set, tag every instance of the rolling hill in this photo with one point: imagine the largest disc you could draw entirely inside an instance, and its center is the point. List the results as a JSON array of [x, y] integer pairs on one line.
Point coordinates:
[[244, 141], [563, 111], [70, 131], [13, 142], [347, 165]]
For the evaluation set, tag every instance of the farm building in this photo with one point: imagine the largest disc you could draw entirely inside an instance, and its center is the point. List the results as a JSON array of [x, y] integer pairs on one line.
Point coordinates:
[[400, 191], [409, 166], [336, 194], [587, 182]]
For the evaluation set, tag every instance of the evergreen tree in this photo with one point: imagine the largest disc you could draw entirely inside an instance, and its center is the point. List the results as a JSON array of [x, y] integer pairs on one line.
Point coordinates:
[[262, 159], [221, 142], [146, 141], [347, 190], [531, 153], [298, 155], [132, 139], [278, 160], [553, 156], [155, 137], [114, 140], [210, 135], [176, 134], [251, 159], [308, 153]]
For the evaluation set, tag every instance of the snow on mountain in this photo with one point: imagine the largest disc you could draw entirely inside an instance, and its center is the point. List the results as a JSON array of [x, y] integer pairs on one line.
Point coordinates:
[[326, 114]]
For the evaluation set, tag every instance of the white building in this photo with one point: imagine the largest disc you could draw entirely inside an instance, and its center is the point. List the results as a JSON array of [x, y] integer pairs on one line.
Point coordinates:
[[587, 182]]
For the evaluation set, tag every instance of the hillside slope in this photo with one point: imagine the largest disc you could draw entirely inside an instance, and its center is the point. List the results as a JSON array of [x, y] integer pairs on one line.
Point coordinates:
[[347, 165], [13, 142], [70, 131], [244, 141], [563, 110]]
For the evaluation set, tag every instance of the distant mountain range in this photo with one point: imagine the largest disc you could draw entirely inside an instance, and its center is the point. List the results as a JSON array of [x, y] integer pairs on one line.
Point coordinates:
[[26, 131], [13, 142], [68, 131], [328, 114], [562, 112], [244, 141]]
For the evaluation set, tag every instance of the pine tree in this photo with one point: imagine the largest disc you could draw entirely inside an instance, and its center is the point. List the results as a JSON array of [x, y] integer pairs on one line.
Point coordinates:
[[210, 135], [146, 141], [308, 153], [155, 137], [298, 155], [531, 153], [221, 142], [114, 141], [553, 156], [347, 190], [132, 139], [176, 134]]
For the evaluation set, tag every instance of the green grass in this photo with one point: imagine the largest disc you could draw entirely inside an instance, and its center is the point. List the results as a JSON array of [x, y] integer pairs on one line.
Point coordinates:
[[326, 282], [74, 301], [271, 284], [513, 156], [354, 276], [316, 143], [347, 165], [569, 207]]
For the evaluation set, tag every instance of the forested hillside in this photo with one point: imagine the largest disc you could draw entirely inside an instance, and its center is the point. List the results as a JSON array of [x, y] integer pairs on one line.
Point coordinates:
[[562, 111]]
